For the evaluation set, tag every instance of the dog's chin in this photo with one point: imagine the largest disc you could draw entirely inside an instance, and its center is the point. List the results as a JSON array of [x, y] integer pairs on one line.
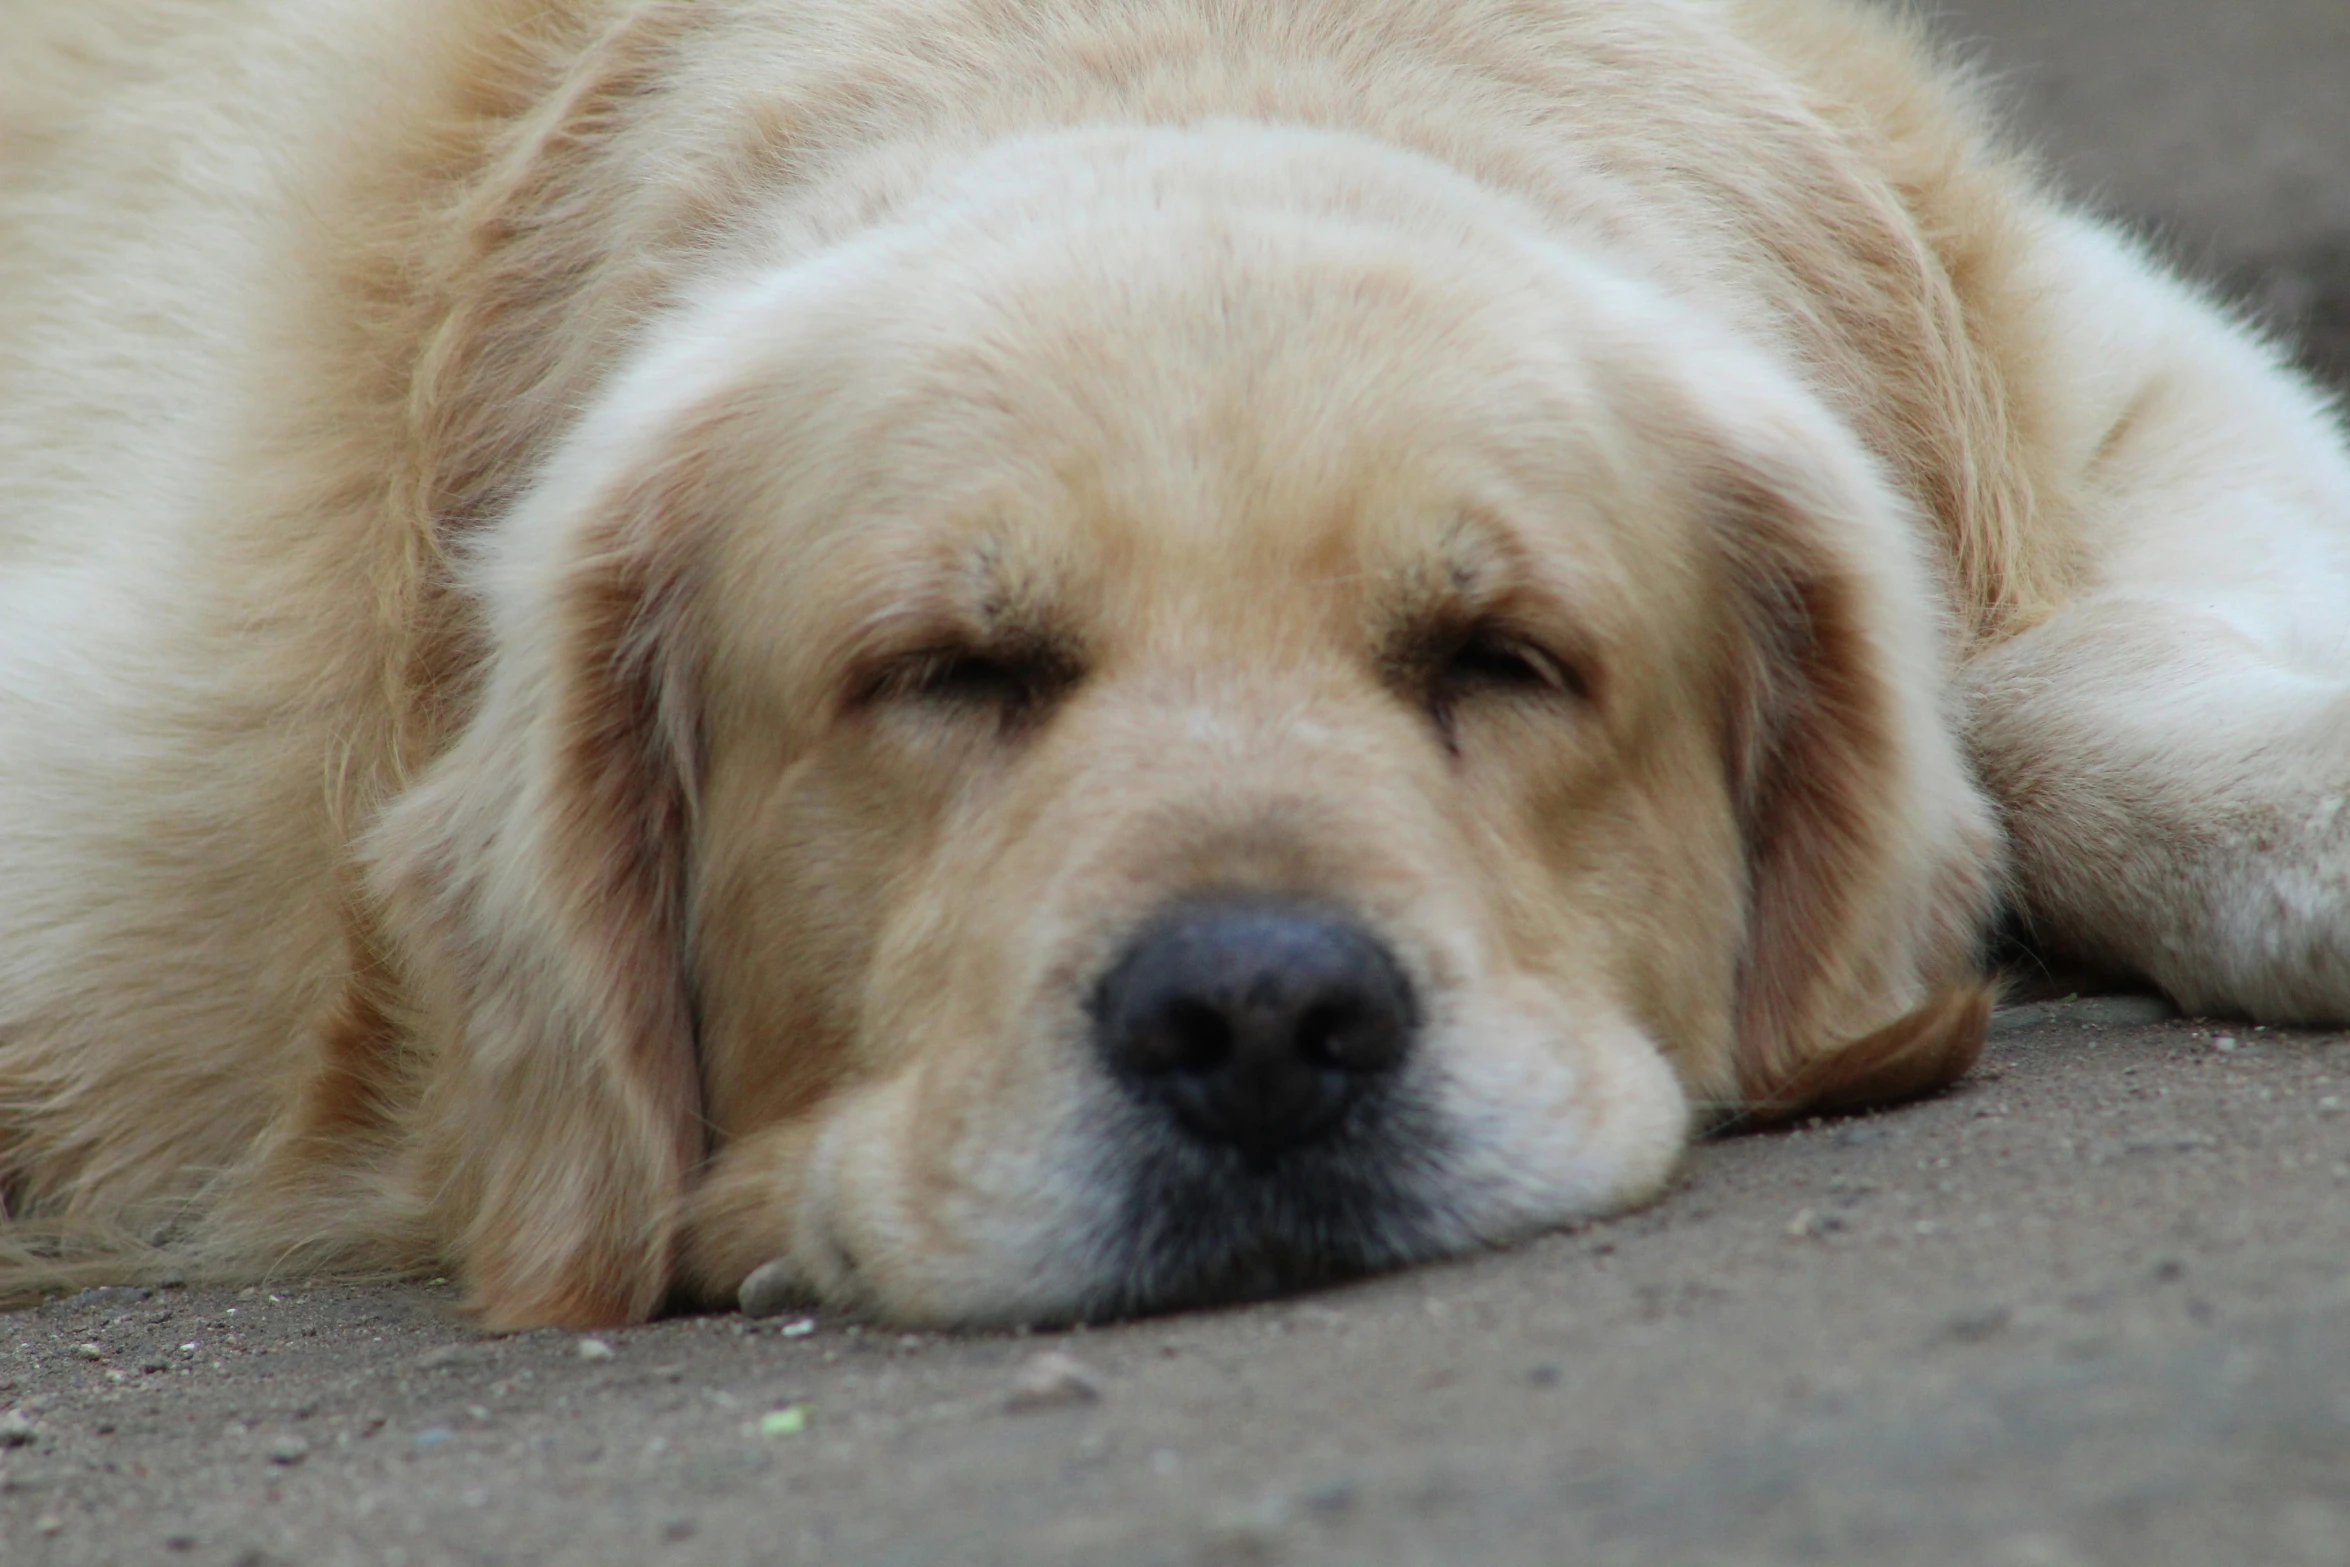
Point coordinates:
[[1202, 1224]]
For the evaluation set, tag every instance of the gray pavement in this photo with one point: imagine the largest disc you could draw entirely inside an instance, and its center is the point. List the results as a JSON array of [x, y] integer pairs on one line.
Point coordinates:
[[2092, 1309], [2222, 126]]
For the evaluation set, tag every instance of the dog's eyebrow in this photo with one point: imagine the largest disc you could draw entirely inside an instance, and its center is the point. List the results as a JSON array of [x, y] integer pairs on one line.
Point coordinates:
[[1005, 595], [1472, 564], [1480, 571], [979, 596]]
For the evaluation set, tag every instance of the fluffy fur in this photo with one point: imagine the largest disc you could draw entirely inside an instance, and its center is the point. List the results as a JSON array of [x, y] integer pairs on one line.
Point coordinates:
[[611, 611]]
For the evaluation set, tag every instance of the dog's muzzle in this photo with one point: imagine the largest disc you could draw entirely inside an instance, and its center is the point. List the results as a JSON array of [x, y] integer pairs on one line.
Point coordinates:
[[1272, 1132]]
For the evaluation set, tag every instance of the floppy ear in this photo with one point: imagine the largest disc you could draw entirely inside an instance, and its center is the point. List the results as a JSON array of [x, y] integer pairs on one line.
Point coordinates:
[[1871, 857], [534, 885]]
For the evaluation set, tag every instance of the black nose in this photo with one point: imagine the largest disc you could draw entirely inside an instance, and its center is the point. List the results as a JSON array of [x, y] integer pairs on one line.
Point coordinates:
[[1256, 1024]]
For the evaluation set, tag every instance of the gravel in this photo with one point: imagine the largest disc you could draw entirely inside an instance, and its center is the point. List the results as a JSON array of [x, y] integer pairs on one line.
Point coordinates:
[[2085, 1011], [2098, 1294]]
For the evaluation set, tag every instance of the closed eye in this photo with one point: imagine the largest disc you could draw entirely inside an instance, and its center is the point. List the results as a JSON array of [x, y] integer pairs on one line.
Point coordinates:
[[1015, 683], [1494, 661], [1491, 657], [1494, 658]]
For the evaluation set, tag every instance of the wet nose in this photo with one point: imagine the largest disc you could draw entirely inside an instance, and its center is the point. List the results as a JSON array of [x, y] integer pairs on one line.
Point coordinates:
[[1254, 1024]]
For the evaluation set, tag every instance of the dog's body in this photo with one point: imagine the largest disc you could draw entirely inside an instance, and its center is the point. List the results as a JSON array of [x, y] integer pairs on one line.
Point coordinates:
[[637, 636]]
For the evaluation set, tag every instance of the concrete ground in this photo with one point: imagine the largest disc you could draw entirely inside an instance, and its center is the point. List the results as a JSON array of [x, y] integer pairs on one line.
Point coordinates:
[[2221, 125], [2093, 1308]]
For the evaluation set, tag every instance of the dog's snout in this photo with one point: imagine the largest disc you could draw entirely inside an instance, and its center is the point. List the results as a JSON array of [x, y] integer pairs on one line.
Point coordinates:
[[1256, 1025]]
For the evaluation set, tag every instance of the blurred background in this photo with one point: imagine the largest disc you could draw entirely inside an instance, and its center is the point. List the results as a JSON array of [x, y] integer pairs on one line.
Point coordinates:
[[2220, 126]]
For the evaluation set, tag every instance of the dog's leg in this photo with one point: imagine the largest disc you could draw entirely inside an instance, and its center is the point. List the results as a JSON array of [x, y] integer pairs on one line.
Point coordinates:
[[2175, 795], [2172, 748]]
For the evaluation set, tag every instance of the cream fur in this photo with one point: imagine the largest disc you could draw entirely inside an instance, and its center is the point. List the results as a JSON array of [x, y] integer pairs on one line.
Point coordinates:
[[479, 480]]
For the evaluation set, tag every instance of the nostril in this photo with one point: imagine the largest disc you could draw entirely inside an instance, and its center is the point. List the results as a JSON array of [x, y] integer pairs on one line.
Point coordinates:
[[1201, 1036], [1322, 1036], [1350, 1037], [1317, 1036]]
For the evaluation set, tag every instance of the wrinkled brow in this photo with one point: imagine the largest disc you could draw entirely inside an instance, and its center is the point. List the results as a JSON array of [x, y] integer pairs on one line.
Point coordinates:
[[1473, 567], [977, 593], [1480, 570]]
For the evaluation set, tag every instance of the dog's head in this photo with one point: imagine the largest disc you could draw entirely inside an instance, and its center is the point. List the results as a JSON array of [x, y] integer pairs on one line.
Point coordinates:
[[1202, 710]]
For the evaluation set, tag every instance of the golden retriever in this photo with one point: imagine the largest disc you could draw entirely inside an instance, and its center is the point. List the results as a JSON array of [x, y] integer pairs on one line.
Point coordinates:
[[1064, 657]]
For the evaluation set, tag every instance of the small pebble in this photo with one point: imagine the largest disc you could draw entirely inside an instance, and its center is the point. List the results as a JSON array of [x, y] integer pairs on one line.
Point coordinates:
[[90, 1351], [433, 1436], [1973, 1327], [788, 1421], [769, 1291], [595, 1349], [799, 1329], [49, 1523], [1331, 1497], [1052, 1380], [2225, 1044], [2172, 1142], [288, 1449], [2331, 1104], [16, 1429]]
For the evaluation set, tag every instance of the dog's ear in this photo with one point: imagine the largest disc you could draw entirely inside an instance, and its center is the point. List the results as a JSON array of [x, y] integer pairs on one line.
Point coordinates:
[[534, 884], [1871, 856]]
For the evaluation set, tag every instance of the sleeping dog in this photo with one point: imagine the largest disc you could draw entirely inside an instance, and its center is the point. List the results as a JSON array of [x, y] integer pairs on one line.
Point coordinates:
[[1051, 659]]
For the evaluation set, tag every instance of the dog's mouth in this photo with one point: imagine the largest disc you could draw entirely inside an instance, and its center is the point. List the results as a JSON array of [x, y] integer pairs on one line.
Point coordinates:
[[1201, 1223]]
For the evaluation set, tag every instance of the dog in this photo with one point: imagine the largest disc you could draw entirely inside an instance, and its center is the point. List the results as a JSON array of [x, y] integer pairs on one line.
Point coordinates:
[[1032, 661]]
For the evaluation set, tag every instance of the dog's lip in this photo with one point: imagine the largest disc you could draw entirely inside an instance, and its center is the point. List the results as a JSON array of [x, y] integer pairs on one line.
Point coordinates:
[[1203, 1225]]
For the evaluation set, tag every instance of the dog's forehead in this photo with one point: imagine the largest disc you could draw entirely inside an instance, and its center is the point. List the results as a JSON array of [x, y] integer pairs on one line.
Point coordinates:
[[1247, 433], [1178, 483], [1223, 550]]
